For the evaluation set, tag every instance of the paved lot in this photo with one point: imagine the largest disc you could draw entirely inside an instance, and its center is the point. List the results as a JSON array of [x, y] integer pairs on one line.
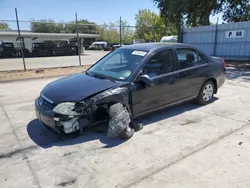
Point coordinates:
[[88, 58], [186, 146]]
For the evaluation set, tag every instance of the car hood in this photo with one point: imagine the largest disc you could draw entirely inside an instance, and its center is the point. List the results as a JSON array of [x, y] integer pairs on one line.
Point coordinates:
[[75, 88]]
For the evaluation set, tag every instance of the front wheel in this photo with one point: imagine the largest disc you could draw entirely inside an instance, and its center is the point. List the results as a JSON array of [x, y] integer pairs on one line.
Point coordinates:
[[206, 93], [119, 124]]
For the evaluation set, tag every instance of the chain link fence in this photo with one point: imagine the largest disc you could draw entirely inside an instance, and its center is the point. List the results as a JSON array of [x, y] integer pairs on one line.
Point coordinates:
[[34, 44]]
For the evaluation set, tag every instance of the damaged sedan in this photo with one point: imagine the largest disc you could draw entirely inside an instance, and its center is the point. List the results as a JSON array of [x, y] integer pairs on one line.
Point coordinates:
[[127, 83]]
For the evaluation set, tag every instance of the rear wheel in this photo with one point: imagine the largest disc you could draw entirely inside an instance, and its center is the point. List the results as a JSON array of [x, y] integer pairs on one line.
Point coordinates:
[[206, 93]]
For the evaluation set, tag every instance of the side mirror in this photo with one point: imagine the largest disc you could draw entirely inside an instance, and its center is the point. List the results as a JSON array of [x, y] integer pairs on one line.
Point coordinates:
[[146, 80]]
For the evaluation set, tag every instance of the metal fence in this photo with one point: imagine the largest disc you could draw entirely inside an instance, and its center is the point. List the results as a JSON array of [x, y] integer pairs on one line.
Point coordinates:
[[230, 41], [33, 44]]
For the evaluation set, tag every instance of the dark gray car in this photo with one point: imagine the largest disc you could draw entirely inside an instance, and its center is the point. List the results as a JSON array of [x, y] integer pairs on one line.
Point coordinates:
[[127, 83]]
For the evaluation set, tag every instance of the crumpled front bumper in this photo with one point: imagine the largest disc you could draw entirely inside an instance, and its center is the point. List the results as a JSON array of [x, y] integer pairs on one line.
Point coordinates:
[[45, 115]]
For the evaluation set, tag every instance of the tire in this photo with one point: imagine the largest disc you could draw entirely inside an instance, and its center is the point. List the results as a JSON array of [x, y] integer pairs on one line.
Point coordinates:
[[206, 93], [113, 111]]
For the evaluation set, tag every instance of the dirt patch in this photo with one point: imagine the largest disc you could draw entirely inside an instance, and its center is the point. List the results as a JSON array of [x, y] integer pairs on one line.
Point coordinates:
[[67, 183], [40, 73]]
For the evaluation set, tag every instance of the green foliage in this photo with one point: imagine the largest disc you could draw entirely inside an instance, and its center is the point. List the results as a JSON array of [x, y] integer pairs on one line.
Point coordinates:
[[52, 27], [193, 12], [197, 12], [42, 27], [4, 26], [236, 11], [90, 27], [110, 32], [151, 27]]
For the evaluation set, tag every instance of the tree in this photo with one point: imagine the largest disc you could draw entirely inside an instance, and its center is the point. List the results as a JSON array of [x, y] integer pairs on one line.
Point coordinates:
[[50, 26], [4, 26], [150, 26], [128, 34], [193, 12], [110, 32], [46, 26], [236, 11], [84, 26]]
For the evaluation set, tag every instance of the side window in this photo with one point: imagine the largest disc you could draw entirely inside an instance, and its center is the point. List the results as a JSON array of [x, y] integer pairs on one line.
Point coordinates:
[[189, 58], [160, 63], [202, 59]]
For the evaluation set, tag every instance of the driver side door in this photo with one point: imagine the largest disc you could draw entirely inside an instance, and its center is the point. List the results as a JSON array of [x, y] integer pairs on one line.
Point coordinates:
[[160, 68]]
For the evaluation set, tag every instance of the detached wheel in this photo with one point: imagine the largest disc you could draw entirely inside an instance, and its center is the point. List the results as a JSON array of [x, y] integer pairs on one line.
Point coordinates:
[[114, 110], [206, 93]]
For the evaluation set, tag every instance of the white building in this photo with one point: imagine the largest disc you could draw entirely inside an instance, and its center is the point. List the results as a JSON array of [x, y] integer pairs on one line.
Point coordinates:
[[31, 37]]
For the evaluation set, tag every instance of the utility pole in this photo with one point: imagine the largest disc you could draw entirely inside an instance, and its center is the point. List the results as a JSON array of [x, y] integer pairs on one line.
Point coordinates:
[[78, 42], [215, 37], [120, 30], [21, 41]]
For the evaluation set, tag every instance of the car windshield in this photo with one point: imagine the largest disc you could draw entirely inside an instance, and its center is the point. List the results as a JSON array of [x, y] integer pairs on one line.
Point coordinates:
[[118, 65], [8, 45]]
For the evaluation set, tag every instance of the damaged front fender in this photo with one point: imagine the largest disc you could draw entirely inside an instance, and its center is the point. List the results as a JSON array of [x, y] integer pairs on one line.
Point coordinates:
[[73, 117], [112, 96]]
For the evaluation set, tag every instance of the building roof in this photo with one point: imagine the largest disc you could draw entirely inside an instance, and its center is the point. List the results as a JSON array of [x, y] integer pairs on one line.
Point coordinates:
[[154, 46], [51, 36]]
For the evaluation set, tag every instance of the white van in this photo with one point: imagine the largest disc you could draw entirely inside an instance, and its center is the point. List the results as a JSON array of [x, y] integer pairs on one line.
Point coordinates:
[[99, 45], [171, 38]]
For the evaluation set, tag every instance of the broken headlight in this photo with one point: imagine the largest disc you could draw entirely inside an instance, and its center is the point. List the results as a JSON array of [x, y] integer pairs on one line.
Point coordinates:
[[66, 108]]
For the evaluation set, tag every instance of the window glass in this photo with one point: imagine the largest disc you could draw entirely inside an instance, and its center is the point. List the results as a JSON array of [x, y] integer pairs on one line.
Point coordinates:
[[189, 58], [119, 64], [160, 63], [201, 59]]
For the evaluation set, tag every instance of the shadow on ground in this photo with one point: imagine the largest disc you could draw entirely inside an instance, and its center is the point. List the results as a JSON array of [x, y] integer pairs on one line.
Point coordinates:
[[236, 73], [45, 139]]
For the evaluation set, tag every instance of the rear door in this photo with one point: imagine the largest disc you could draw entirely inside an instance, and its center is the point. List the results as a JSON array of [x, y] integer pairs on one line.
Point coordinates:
[[193, 67], [161, 69]]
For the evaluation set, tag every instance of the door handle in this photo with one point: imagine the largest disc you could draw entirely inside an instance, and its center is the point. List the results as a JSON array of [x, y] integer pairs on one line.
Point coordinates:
[[172, 80]]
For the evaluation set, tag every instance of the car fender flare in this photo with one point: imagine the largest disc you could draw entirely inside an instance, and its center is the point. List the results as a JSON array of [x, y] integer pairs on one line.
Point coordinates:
[[112, 96], [214, 81]]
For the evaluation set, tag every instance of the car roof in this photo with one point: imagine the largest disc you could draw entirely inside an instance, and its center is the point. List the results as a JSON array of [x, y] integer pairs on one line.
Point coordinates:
[[154, 46]]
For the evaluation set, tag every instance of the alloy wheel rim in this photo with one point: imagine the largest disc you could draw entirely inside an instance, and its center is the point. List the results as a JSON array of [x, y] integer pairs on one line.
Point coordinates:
[[207, 92]]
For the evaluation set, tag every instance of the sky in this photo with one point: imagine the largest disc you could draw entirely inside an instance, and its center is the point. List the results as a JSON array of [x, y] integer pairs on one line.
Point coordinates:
[[98, 11]]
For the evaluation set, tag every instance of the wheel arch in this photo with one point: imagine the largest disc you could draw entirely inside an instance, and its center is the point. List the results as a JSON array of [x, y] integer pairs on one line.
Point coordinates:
[[214, 82]]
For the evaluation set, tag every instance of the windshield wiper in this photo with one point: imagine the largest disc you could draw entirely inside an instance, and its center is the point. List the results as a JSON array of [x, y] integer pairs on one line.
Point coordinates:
[[102, 77]]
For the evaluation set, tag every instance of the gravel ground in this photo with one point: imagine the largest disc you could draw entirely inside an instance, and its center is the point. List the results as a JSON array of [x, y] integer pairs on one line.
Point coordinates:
[[40, 73]]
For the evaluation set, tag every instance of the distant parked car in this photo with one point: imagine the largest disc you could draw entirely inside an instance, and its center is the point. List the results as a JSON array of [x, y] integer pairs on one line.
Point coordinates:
[[116, 46], [99, 45], [26, 52], [127, 83], [40, 49], [171, 38], [65, 48], [7, 49]]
